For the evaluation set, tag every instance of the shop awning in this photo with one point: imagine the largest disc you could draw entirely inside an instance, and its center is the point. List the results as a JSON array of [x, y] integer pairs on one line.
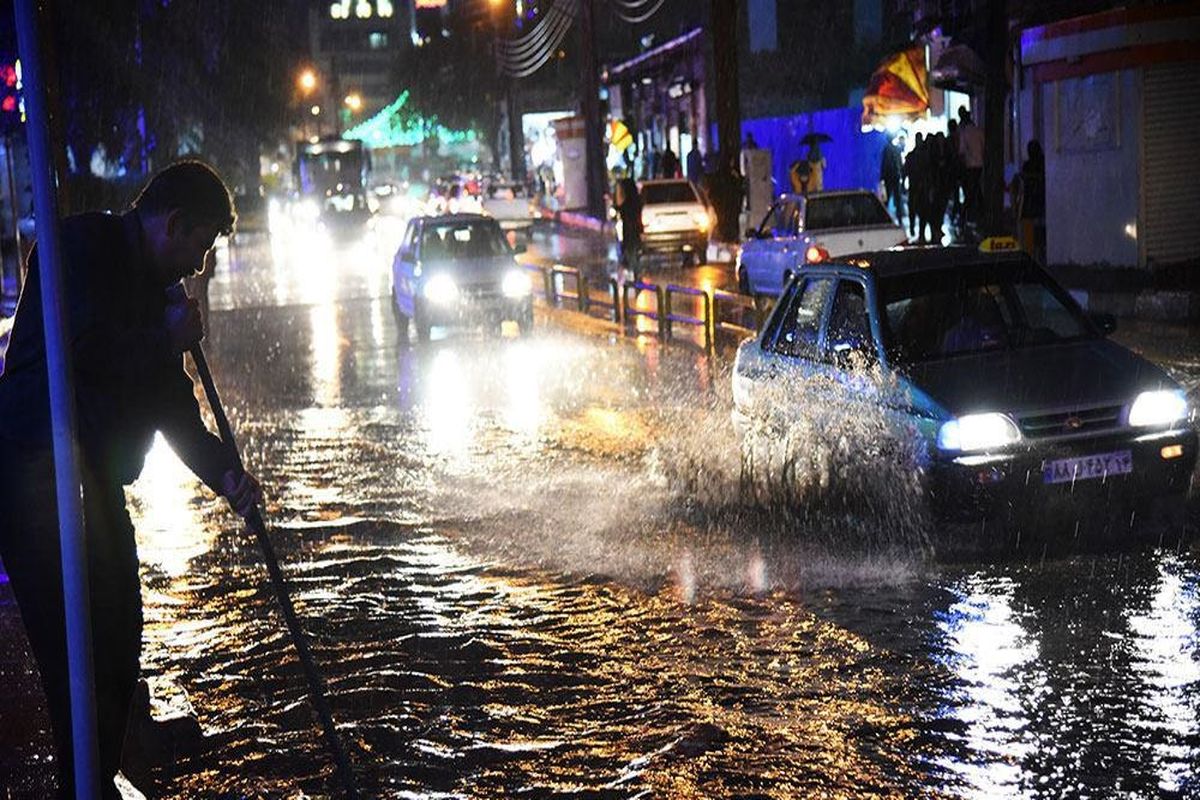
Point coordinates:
[[898, 88]]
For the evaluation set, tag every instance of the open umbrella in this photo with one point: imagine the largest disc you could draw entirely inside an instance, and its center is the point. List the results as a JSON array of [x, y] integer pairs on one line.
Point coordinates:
[[815, 138]]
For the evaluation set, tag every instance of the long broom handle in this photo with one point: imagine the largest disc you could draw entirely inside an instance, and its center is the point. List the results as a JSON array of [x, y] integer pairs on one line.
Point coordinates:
[[316, 684]]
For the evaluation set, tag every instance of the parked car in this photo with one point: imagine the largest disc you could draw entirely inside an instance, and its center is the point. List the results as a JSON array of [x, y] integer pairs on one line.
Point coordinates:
[[1010, 391], [458, 268], [509, 204], [803, 229], [675, 219]]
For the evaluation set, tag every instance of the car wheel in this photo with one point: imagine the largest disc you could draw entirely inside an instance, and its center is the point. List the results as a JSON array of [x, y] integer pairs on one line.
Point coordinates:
[[525, 321], [422, 323], [400, 317]]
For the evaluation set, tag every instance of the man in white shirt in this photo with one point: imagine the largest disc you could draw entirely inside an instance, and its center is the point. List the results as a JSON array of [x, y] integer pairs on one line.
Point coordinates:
[[970, 151]]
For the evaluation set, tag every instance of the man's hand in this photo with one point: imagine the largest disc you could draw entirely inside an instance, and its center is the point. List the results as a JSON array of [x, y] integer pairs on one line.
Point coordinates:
[[185, 327], [242, 491]]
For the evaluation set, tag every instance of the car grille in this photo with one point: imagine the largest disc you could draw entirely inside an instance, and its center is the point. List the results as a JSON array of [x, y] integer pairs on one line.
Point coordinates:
[[481, 291], [1066, 423]]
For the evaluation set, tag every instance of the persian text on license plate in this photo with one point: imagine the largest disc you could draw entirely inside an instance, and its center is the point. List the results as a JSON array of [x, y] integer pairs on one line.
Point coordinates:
[[1084, 468]]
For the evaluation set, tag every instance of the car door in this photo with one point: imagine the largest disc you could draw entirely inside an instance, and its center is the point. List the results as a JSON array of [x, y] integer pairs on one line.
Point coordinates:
[[767, 258], [403, 266], [792, 343]]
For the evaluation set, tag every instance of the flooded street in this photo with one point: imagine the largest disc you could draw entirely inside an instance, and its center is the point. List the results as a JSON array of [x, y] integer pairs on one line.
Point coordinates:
[[526, 570]]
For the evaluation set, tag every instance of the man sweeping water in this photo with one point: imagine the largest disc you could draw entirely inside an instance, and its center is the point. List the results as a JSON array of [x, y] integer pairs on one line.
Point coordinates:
[[127, 342]]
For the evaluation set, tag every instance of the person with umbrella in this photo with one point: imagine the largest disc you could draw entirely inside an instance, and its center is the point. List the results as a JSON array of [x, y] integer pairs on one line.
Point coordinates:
[[816, 160]]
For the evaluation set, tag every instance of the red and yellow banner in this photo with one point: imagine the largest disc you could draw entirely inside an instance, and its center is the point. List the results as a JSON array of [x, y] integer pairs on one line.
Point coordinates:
[[898, 87]]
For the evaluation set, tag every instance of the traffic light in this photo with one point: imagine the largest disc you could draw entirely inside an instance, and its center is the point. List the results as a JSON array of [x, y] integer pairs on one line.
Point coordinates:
[[12, 106]]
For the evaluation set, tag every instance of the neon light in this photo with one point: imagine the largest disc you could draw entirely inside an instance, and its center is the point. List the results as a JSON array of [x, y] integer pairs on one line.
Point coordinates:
[[400, 126]]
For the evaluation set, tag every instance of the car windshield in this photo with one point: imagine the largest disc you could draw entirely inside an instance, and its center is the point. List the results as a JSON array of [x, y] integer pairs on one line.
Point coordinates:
[[449, 241], [673, 192], [964, 309], [844, 211]]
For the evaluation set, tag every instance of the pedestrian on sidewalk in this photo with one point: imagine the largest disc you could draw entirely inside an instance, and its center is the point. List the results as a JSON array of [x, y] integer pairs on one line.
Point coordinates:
[[970, 150], [127, 346], [670, 163], [891, 175], [695, 164], [1029, 189], [816, 167], [916, 169], [628, 203]]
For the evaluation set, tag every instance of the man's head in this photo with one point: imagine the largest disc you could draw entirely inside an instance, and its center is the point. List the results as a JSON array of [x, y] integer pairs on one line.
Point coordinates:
[[183, 209]]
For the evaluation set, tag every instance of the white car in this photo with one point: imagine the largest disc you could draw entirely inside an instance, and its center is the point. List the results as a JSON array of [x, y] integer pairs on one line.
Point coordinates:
[[675, 219], [509, 204], [803, 229]]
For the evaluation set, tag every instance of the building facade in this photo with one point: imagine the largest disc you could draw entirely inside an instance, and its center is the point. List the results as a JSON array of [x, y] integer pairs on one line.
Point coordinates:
[[353, 45]]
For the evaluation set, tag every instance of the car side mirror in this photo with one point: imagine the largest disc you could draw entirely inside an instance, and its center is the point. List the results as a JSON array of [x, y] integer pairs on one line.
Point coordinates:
[[751, 233], [1107, 323]]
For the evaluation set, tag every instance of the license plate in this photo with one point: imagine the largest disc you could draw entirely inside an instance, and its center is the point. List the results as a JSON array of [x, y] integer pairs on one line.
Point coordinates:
[[1083, 468]]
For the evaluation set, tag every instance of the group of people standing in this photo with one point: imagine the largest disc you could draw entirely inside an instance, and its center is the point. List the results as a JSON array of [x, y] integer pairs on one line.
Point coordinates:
[[943, 172]]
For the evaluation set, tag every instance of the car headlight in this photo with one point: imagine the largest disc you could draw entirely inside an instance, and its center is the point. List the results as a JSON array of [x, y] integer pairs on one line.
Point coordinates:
[[1159, 407], [978, 432], [702, 219], [441, 290], [516, 283]]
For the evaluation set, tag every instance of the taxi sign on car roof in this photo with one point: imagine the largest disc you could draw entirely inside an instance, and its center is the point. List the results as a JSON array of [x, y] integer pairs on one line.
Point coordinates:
[[998, 244]]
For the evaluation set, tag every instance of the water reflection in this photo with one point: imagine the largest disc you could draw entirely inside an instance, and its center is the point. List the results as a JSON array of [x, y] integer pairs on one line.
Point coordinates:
[[988, 650], [1167, 658]]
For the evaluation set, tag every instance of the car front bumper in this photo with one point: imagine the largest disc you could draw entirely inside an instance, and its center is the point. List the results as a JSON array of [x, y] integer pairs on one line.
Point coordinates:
[[980, 485], [489, 308], [675, 241]]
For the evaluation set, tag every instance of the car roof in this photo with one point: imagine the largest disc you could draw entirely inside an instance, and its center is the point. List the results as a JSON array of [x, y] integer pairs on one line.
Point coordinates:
[[909, 260], [793, 196], [450, 219]]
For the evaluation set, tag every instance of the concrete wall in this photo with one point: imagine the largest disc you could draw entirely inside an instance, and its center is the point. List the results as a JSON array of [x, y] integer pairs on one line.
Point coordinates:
[[1091, 134]]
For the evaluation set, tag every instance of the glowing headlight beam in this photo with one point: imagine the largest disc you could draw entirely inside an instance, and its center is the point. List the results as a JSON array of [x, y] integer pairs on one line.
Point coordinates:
[[1159, 407], [975, 432]]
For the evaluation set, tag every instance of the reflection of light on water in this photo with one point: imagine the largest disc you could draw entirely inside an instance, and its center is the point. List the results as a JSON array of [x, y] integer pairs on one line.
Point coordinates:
[[1167, 643], [326, 355], [447, 409], [988, 644], [169, 525]]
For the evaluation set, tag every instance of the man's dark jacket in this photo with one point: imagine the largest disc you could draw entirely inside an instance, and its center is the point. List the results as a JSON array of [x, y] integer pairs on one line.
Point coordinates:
[[128, 382]]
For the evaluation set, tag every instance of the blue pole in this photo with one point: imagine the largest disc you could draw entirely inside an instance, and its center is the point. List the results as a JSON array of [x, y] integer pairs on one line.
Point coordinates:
[[62, 409]]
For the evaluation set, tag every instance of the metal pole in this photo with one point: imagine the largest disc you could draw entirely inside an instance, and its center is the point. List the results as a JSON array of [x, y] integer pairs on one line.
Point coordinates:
[[16, 218], [62, 409], [593, 138]]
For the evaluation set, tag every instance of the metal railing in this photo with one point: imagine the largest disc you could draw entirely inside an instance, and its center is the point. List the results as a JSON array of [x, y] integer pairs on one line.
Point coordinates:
[[713, 311], [671, 316], [630, 312]]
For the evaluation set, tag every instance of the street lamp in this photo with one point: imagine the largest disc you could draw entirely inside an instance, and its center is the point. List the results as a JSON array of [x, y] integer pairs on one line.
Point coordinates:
[[307, 81], [354, 102]]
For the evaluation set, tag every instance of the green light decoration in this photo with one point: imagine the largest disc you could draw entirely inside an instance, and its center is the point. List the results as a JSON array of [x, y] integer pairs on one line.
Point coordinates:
[[397, 125]]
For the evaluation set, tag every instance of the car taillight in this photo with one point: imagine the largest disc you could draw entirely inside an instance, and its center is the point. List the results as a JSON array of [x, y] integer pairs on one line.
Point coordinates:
[[815, 254]]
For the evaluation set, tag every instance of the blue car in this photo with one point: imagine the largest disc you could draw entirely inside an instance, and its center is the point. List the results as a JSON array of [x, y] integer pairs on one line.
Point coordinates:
[[458, 269], [1010, 391]]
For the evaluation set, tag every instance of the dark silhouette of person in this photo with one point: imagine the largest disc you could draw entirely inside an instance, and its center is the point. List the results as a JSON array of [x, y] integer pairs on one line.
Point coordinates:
[[1031, 201], [891, 175], [916, 169], [695, 163], [627, 200], [126, 344], [669, 163]]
